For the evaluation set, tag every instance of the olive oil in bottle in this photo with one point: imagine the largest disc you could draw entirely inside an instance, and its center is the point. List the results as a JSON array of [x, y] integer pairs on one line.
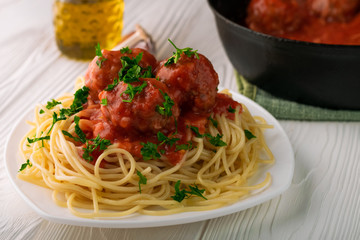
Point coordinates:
[[81, 24]]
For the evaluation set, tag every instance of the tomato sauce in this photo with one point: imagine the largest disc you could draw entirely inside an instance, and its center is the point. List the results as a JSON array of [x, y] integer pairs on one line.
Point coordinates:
[[226, 105], [318, 21], [188, 88]]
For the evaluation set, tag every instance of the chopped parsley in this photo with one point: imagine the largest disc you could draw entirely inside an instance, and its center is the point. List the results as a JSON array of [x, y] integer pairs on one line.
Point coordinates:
[[196, 191], [113, 85], [166, 140], [80, 98], [216, 141], [78, 131], [231, 110], [38, 139], [24, 165], [147, 73], [55, 120], [98, 142], [98, 53], [142, 179], [213, 121], [167, 105], [132, 75], [249, 134], [66, 133], [176, 55], [131, 91], [104, 101], [181, 194], [51, 104], [149, 151], [131, 72], [41, 111], [125, 50], [187, 146], [196, 131]]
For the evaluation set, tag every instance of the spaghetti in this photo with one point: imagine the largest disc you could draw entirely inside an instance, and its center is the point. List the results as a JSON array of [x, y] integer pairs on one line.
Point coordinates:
[[117, 182]]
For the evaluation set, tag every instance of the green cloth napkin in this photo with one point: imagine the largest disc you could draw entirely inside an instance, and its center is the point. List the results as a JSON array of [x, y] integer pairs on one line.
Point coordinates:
[[288, 110]]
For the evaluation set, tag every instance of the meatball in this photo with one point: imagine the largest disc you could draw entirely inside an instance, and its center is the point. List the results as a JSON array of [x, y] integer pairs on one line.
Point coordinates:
[[192, 81], [275, 16], [141, 114], [334, 10], [97, 79]]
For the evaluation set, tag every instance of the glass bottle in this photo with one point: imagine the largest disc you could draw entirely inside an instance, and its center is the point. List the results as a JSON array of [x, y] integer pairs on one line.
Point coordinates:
[[81, 24]]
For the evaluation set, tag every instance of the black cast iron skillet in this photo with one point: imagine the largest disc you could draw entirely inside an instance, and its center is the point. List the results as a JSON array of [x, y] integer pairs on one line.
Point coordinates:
[[315, 74]]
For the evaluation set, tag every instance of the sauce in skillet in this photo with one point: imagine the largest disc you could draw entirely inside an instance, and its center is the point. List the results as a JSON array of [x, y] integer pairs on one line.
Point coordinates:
[[318, 21]]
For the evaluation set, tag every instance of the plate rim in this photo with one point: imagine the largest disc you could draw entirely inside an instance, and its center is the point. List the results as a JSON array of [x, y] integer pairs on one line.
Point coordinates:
[[180, 218]]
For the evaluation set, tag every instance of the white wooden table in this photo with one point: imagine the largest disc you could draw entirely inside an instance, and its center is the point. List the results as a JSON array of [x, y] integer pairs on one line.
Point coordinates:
[[323, 201]]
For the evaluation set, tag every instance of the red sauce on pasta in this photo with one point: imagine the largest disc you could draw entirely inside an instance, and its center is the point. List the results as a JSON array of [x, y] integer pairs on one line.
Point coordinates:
[[189, 86]]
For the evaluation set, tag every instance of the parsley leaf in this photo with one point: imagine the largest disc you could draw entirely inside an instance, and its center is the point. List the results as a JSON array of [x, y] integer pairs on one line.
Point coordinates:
[[130, 72], [132, 75], [125, 50], [101, 143], [78, 130], [80, 97], [98, 142], [231, 110], [52, 104], [249, 134], [24, 165], [181, 194], [104, 101], [41, 111], [196, 191], [196, 131], [56, 119], [131, 91], [142, 179], [149, 151], [66, 133], [176, 55], [167, 105], [147, 73], [216, 141], [38, 139], [166, 140], [213, 121], [113, 85], [98, 53], [187, 146], [98, 50]]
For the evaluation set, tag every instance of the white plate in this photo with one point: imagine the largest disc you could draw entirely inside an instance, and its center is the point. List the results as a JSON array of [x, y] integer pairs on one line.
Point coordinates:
[[40, 198]]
